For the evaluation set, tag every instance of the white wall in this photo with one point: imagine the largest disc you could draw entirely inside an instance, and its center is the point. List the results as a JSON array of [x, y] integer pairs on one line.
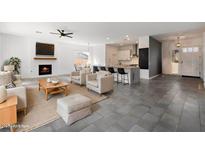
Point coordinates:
[[1, 53], [98, 55], [143, 42], [13, 46], [24, 48], [168, 46], [203, 55]]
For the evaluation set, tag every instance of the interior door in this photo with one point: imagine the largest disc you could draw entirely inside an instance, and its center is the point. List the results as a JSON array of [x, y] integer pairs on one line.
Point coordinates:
[[190, 62]]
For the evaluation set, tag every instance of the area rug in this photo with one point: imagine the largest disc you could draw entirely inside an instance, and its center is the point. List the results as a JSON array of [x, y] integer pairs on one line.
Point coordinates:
[[41, 112]]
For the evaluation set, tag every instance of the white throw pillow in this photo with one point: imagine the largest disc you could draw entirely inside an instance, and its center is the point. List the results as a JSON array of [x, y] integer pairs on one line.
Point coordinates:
[[85, 70], [3, 94]]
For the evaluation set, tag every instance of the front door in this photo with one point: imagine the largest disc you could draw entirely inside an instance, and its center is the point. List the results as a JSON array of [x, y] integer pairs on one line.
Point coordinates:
[[190, 62]]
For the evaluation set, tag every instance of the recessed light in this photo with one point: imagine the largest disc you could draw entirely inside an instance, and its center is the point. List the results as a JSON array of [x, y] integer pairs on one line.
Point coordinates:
[[107, 38], [127, 35]]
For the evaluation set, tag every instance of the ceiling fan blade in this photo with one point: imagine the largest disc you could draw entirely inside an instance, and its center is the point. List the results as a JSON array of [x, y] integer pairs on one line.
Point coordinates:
[[59, 31], [68, 36], [54, 33], [68, 33]]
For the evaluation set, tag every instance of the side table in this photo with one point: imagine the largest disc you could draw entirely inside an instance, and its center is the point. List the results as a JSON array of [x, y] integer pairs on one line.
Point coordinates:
[[8, 112]]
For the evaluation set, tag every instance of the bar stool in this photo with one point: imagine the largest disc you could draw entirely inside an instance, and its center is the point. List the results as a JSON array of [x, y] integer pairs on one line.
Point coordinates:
[[111, 70], [102, 68], [95, 69], [123, 74]]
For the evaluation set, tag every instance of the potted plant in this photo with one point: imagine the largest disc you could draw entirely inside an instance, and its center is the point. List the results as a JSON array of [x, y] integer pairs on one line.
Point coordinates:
[[17, 64]]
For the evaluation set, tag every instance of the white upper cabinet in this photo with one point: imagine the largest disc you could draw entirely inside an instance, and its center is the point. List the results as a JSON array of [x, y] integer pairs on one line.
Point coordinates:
[[124, 55]]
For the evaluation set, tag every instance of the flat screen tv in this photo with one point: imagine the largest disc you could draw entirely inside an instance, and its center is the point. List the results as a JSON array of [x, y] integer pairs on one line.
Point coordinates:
[[44, 49]]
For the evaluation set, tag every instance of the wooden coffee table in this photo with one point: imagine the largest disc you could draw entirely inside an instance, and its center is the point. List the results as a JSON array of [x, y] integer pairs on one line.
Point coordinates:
[[51, 89]]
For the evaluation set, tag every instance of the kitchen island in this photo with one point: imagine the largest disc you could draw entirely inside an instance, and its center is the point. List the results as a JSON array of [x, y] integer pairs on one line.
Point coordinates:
[[133, 73]]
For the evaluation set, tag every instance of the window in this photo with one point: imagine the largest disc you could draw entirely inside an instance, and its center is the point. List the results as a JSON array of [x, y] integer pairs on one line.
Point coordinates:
[[184, 49], [195, 49], [190, 49]]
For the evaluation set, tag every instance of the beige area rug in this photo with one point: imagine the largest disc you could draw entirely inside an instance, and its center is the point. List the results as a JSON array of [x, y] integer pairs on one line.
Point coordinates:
[[41, 112]]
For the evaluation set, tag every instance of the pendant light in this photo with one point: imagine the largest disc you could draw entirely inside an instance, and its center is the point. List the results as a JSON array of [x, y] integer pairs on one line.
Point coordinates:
[[178, 42]]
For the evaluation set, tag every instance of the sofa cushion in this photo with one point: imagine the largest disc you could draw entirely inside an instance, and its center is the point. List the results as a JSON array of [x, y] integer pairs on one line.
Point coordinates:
[[102, 74], [76, 77], [93, 83], [85, 70], [73, 103], [5, 78]]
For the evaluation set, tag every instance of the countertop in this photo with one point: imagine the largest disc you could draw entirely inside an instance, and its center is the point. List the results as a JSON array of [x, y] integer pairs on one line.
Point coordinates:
[[125, 67]]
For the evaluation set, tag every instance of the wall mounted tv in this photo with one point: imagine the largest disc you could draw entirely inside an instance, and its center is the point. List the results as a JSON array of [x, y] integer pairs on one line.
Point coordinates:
[[44, 49]]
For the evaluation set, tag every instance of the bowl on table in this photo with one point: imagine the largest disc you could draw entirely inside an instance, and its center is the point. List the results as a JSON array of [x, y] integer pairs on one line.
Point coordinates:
[[55, 82]]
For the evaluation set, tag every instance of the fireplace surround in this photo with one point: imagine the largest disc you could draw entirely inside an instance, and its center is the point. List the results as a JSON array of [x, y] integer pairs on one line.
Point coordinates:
[[45, 69]]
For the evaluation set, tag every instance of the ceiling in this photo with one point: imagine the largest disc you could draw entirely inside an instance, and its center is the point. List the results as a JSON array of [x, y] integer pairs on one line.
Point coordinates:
[[101, 32]]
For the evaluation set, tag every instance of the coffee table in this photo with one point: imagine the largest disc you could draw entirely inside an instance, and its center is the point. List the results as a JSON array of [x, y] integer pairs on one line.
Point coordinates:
[[51, 89]]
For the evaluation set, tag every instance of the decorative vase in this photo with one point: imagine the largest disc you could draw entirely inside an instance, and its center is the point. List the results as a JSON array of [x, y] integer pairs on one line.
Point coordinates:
[[49, 80], [3, 94]]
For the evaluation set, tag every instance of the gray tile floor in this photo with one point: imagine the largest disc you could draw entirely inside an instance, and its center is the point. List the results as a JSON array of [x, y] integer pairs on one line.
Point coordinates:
[[164, 104]]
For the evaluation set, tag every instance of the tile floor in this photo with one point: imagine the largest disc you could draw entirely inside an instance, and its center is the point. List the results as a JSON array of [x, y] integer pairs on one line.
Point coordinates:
[[163, 104]]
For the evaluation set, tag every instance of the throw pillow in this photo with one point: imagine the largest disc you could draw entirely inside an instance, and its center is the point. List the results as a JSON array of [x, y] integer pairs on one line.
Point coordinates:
[[10, 85]]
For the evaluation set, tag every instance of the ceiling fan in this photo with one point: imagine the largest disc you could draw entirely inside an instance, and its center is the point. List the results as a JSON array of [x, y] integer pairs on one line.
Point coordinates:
[[62, 33]]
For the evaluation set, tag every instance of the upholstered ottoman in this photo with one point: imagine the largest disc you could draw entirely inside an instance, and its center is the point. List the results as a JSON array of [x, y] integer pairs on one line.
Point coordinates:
[[73, 108]]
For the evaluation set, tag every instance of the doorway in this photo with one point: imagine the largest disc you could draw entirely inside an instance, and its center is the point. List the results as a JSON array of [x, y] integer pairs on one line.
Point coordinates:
[[186, 61], [176, 62], [190, 62]]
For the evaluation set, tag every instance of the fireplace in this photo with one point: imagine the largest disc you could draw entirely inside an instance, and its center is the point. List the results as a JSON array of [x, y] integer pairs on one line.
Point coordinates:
[[45, 69]]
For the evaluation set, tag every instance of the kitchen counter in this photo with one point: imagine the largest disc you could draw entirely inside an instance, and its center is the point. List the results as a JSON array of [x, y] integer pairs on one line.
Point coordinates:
[[125, 67], [133, 73]]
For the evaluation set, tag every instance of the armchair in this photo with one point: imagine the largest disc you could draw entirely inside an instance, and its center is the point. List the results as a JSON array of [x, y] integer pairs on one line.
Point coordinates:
[[20, 92], [79, 77], [100, 84]]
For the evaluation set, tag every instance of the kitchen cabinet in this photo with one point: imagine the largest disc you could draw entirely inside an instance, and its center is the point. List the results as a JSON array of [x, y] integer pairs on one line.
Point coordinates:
[[124, 55]]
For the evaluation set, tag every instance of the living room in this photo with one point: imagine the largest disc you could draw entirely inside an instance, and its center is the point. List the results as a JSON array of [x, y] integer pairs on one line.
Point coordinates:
[[102, 76], [52, 66]]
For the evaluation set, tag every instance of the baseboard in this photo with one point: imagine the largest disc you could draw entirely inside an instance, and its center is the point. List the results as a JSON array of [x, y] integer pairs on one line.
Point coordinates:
[[191, 76], [154, 76]]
